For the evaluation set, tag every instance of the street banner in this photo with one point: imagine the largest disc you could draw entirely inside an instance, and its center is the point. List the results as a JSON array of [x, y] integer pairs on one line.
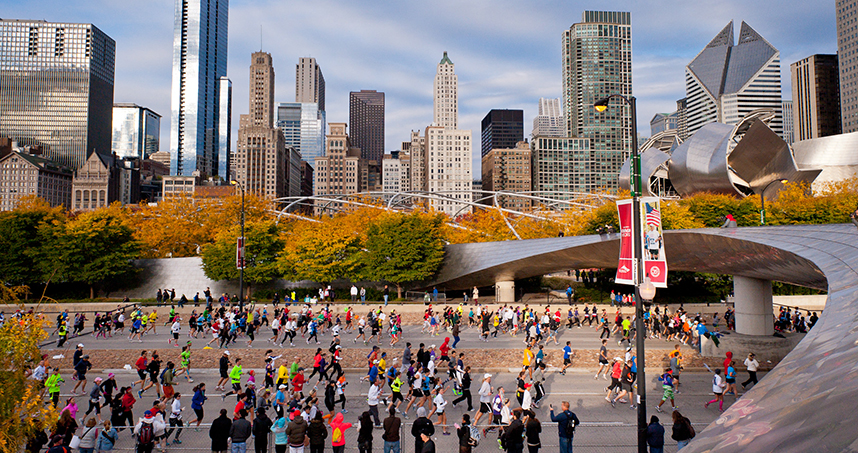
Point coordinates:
[[626, 266], [652, 242], [239, 253]]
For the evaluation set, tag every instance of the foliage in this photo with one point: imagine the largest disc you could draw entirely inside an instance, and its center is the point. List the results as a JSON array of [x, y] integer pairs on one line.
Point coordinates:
[[403, 248], [19, 235], [676, 215], [22, 412], [262, 245], [96, 248], [322, 252], [181, 226], [795, 205], [709, 208]]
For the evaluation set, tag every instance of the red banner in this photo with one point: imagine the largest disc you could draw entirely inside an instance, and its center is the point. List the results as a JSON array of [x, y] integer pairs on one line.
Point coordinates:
[[652, 242], [239, 253], [626, 265]]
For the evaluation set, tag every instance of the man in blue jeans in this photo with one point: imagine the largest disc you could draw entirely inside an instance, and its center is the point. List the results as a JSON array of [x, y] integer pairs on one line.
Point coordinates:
[[566, 423]]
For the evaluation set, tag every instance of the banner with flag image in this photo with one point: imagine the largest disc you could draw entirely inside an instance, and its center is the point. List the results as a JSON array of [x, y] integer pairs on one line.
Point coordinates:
[[652, 242], [626, 266]]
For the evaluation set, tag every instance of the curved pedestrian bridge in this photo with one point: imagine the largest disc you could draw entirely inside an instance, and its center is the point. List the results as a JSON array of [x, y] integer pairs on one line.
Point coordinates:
[[808, 402]]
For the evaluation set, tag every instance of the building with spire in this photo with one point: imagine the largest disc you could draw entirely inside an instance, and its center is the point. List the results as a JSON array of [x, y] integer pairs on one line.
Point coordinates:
[[447, 149], [199, 63], [261, 159], [729, 79]]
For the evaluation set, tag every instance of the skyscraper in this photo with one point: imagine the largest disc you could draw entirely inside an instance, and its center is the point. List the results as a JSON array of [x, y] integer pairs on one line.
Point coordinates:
[[549, 119], [446, 89], [501, 129], [260, 158], [847, 43], [341, 169], [366, 116], [56, 88], [303, 126], [199, 61], [447, 149], [726, 81], [508, 170], [309, 82], [816, 97], [224, 129], [597, 62], [789, 124], [136, 131]]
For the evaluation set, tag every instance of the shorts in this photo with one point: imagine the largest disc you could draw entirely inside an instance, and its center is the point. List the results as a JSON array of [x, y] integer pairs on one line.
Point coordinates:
[[153, 377], [168, 391], [236, 386], [567, 361], [603, 361], [729, 380], [82, 376], [199, 413], [214, 334], [417, 393], [175, 335], [627, 386], [668, 393], [224, 374], [397, 396], [119, 325], [360, 331], [142, 374], [484, 408]]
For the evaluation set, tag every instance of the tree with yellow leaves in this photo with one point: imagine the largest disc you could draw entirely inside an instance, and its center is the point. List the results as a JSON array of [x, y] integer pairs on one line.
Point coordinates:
[[322, 252]]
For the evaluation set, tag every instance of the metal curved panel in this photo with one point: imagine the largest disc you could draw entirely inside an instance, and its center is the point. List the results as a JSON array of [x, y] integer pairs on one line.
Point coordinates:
[[651, 159], [700, 164], [807, 402], [836, 156]]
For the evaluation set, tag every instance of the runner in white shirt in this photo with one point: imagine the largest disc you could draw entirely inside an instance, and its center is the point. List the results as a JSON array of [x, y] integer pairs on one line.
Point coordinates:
[[174, 329], [439, 405]]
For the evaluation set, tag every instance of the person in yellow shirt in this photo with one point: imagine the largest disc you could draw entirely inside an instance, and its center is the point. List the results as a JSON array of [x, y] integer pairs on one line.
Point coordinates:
[[382, 364], [527, 360], [153, 317], [282, 374]]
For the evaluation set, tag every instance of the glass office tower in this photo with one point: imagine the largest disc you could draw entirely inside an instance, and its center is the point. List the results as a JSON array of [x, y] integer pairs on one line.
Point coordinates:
[[56, 88], [597, 62], [303, 125], [136, 131], [199, 61]]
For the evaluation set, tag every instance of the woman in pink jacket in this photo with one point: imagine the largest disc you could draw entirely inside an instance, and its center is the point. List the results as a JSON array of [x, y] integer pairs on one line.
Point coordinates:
[[338, 433]]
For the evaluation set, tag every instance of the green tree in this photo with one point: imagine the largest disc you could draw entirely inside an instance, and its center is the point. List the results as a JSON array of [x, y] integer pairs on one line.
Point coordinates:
[[262, 244], [96, 248], [404, 248], [322, 252], [19, 237]]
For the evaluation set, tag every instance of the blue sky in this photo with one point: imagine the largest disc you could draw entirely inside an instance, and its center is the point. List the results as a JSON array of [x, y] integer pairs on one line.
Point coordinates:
[[507, 53]]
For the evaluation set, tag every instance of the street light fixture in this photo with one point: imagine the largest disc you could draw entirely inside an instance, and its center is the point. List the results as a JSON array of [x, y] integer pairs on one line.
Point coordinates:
[[644, 288], [241, 245], [763, 199]]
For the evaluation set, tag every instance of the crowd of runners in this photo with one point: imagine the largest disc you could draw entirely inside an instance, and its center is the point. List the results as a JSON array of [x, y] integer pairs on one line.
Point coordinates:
[[405, 381]]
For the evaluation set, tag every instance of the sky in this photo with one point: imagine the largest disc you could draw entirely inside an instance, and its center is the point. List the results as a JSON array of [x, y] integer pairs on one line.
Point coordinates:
[[507, 53]]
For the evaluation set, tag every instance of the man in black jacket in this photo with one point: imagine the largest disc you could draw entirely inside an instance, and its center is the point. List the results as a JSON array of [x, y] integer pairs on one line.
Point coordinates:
[[428, 443], [421, 425], [566, 423], [219, 433], [261, 427], [466, 390], [239, 432]]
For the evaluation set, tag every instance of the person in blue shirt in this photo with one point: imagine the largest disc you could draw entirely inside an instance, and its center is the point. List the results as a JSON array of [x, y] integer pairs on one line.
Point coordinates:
[[567, 357], [197, 402], [667, 385], [566, 423], [280, 400], [701, 332]]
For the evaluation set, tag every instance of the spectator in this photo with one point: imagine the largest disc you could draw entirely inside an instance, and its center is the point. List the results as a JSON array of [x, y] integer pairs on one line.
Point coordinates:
[[145, 431], [88, 437], [655, 435], [421, 425], [240, 431], [260, 428], [219, 433], [566, 423], [338, 430], [365, 433], [683, 432], [428, 443], [317, 433], [514, 433], [391, 432], [296, 431], [532, 429], [464, 433], [108, 437]]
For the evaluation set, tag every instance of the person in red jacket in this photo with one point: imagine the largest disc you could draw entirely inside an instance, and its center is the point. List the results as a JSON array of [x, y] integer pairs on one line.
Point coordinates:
[[338, 433]]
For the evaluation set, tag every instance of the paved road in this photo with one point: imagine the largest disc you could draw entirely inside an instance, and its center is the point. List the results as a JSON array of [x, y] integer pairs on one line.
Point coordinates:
[[581, 338]]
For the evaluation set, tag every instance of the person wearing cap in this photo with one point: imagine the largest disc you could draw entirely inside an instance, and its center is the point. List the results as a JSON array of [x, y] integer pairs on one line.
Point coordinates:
[[95, 399], [752, 364], [280, 400], [78, 353], [485, 393], [107, 388], [421, 429], [157, 426], [296, 432], [82, 366]]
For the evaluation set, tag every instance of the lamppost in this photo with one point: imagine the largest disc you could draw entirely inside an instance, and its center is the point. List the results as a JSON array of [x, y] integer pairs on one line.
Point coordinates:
[[240, 245], [763, 199], [644, 289]]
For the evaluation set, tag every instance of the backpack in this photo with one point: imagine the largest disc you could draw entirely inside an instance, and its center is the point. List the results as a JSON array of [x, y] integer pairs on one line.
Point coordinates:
[[146, 435], [475, 438], [570, 426]]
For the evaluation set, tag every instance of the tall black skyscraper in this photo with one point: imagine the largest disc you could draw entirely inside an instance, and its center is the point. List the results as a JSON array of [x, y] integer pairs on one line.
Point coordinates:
[[366, 122], [502, 129], [56, 88]]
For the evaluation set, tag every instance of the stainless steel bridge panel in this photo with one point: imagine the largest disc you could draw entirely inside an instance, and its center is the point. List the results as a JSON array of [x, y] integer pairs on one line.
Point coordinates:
[[700, 164], [807, 402]]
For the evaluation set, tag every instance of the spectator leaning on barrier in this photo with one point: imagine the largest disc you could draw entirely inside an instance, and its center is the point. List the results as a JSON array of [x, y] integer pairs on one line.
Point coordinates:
[[655, 435]]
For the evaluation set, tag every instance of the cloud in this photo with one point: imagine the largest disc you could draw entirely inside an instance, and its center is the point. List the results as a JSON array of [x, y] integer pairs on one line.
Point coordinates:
[[507, 52]]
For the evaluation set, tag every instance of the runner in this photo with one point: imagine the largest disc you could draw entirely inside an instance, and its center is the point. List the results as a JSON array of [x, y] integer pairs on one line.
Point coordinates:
[[603, 361], [718, 386], [667, 385]]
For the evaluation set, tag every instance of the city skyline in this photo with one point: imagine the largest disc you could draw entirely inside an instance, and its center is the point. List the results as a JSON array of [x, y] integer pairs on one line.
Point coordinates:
[[497, 68]]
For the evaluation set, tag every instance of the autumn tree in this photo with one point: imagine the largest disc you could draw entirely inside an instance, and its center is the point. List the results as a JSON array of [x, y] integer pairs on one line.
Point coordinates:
[[404, 248], [19, 238], [322, 251], [262, 244], [96, 248]]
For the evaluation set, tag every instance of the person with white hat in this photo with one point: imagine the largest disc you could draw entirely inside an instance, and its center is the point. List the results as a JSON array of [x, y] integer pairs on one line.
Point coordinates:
[[486, 392]]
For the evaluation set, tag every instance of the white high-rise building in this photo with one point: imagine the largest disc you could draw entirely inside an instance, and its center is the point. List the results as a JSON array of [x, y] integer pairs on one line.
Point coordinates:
[[789, 122], [446, 95], [447, 149], [549, 121], [309, 84], [726, 81], [199, 61]]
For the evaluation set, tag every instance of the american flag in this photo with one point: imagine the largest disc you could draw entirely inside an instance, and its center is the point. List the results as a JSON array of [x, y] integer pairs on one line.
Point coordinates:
[[653, 217]]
